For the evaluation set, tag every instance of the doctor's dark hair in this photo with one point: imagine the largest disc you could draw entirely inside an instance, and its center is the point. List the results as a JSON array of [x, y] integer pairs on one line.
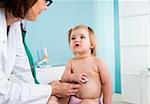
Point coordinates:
[[91, 35], [18, 8]]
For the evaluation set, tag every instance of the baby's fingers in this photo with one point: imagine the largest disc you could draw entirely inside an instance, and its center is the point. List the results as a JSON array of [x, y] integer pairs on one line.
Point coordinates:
[[84, 79]]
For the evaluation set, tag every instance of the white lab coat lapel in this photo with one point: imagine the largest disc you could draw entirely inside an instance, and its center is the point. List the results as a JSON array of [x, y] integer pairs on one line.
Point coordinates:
[[11, 48], [6, 43], [3, 38], [3, 27]]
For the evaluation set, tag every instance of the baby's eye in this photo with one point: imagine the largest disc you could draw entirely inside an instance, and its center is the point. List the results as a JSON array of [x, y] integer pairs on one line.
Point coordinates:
[[83, 37], [73, 38]]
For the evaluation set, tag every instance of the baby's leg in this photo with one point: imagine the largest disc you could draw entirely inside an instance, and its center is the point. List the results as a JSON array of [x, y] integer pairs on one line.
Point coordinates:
[[90, 101], [64, 100], [53, 100]]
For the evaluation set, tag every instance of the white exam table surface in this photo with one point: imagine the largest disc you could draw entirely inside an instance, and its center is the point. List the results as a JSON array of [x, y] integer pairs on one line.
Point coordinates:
[[45, 75]]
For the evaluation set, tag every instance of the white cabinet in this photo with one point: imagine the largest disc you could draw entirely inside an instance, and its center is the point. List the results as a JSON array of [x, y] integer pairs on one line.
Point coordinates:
[[145, 87], [134, 22], [131, 88]]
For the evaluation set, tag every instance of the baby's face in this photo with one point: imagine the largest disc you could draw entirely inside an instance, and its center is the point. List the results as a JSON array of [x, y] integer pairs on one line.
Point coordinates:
[[80, 41]]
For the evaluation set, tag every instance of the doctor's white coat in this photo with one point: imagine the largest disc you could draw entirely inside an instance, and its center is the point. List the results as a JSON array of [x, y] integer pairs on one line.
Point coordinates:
[[14, 60]]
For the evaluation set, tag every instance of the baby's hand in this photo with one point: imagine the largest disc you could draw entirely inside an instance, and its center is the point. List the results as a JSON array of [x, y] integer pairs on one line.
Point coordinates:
[[81, 78]]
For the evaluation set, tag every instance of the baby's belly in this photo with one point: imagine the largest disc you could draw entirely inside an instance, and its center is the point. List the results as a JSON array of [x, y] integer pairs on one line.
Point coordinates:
[[92, 89]]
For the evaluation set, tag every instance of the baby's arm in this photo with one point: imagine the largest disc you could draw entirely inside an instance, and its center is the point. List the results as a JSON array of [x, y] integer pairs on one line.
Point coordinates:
[[67, 75], [106, 82]]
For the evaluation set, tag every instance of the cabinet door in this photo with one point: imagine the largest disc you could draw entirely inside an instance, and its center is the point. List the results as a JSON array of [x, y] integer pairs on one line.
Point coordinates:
[[145, 88]]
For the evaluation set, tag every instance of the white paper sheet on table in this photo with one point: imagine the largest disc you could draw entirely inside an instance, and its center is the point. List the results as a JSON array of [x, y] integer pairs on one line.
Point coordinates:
[[45, 75]]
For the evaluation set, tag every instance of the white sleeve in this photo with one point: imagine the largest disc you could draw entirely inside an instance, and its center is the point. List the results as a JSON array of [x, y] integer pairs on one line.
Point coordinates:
[[23, 92]]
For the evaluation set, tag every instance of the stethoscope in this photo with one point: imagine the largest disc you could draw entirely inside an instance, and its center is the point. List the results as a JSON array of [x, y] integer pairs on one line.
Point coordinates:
[[28, 52]]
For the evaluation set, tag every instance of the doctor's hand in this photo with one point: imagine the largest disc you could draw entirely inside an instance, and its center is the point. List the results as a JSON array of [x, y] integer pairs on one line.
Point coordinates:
[[63, 89]]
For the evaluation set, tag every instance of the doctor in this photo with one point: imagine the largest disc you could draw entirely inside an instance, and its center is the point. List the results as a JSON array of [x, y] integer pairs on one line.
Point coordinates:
[[14, 60]]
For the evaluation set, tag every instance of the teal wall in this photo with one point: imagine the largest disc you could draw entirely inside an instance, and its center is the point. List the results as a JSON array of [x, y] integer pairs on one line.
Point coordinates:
[[50, 30], [104, 22]]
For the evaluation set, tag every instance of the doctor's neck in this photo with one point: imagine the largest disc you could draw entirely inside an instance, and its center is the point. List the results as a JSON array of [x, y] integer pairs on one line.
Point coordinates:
[[10, 19]]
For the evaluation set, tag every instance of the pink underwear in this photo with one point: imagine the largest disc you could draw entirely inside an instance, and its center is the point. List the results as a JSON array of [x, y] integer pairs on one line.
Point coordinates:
[[74, 100]]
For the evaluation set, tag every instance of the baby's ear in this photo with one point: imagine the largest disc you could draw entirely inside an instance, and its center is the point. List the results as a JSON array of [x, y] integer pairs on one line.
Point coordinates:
[[91, 47]]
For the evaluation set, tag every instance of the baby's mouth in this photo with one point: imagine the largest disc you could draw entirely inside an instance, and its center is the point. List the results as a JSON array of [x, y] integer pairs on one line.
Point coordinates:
[[76, 45]]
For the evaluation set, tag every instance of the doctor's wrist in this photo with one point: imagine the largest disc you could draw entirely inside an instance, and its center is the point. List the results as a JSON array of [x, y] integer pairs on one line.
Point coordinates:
[[54, 86]]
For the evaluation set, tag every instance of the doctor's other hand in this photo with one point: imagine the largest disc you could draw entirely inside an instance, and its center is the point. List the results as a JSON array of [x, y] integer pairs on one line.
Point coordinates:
[[63, 89]]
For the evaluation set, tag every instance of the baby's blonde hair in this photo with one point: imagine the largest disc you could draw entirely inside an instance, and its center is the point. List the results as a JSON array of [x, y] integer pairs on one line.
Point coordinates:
[[91, 35]]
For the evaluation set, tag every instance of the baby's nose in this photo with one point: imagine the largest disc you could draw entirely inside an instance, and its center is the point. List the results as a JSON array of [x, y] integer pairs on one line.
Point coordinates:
[[77, 39]]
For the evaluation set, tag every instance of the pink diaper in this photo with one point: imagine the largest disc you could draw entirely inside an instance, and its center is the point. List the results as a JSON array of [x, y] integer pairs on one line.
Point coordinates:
[[74, 100]]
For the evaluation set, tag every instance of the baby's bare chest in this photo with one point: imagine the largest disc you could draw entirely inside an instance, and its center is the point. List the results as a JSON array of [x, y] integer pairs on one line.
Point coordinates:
[[85, 67]]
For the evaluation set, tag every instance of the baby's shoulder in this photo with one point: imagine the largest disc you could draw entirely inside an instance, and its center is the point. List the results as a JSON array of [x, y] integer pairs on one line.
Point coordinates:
[[100, 61], [70, 61]]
